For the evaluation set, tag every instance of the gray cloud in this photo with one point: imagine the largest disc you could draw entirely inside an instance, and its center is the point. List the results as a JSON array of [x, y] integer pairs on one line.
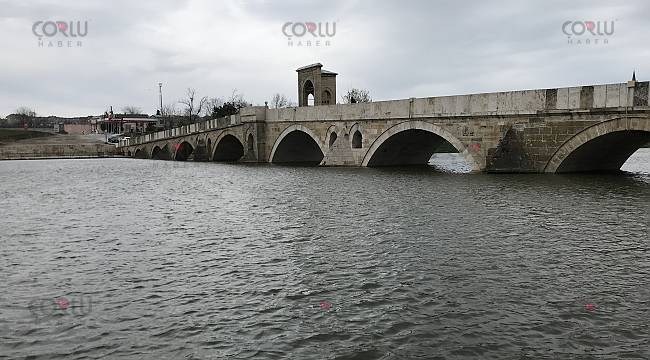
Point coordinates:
[[394, 49]]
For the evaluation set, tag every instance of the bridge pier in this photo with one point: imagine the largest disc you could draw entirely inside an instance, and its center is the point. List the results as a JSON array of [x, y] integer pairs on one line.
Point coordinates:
[[339, 152], [201, 151]]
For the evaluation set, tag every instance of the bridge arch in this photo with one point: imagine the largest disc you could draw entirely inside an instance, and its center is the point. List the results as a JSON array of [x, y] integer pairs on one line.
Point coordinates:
[[332, 138], [183, 151], [160, 153], [601, 147], [250, 146], [357, 140], [154, 151], [140, 153], [413, 143], [227, 148], [326, 99], [332, 135], [307, 91], [297, 144], [355, 136]]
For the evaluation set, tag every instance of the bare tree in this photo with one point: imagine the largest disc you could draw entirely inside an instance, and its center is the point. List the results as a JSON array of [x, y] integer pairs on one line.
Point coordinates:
[[211, 105], [192, 105], [170, 110], [25, 115], [237, 99], [169, 115], [355, 95], [131, 110], [26, 111], [281, 101]]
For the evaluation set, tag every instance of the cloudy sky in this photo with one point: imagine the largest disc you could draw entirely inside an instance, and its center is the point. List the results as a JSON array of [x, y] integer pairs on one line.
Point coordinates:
[[395, 49]]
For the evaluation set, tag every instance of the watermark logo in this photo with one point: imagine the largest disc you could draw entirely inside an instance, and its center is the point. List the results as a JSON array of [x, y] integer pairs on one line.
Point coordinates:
[[43, 309], [325, 305], [309, 34], [60, 33], [588, 32]]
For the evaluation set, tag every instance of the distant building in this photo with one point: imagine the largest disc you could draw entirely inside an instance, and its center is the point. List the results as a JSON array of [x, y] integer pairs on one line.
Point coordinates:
[[13, 120], [125, 124], [18, 120], [59, 128], [78, 129]]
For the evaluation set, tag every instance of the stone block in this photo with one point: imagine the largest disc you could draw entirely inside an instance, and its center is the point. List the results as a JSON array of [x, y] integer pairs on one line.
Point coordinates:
[[423, 106], [613, 95], [478, 104], [446, 105], [550, 102], [641, 94], [587, 97], [625, 95], [574, 97], [600, 96], [492, 102], [504, 102], [563, 98], [462, 105]]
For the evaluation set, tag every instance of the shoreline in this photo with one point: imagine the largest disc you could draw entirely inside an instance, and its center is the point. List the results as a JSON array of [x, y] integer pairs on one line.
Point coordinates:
[[55, 146], [80, 157]]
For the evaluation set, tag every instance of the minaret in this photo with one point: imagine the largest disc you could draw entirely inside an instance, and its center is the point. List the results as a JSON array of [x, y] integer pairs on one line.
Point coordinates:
[[632, 83]]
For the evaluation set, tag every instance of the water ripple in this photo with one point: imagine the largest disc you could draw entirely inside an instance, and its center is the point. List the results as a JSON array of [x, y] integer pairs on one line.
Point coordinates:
[[166, 260]]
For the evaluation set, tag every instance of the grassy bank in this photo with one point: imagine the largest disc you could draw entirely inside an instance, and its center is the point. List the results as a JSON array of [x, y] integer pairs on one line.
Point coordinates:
[[12, 135], [56, 151]]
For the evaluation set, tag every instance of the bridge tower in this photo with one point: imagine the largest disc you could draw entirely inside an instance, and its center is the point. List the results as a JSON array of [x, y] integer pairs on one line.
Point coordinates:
[[321, 84]]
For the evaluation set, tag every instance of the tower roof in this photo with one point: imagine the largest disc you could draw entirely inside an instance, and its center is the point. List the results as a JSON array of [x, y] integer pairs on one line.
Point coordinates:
[[309, 66]]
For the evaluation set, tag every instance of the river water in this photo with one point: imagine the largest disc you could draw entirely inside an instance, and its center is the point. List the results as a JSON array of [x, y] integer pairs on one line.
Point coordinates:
[[143, 259]]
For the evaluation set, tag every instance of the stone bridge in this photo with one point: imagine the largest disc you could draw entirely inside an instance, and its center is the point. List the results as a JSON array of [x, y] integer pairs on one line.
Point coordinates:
[[585, 128]]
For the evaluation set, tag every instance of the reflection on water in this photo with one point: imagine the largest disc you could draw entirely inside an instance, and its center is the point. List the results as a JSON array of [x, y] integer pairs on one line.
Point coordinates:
[[450, 163], [638, 163], [123, 258], [455, 163]]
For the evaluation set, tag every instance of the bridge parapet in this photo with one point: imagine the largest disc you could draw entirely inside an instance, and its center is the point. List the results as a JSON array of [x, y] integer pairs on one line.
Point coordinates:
[[253, 114], [198, 127], [523, 102]]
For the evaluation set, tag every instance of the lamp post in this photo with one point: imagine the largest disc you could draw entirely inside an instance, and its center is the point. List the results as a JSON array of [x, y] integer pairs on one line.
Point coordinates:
[[161, 104]]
